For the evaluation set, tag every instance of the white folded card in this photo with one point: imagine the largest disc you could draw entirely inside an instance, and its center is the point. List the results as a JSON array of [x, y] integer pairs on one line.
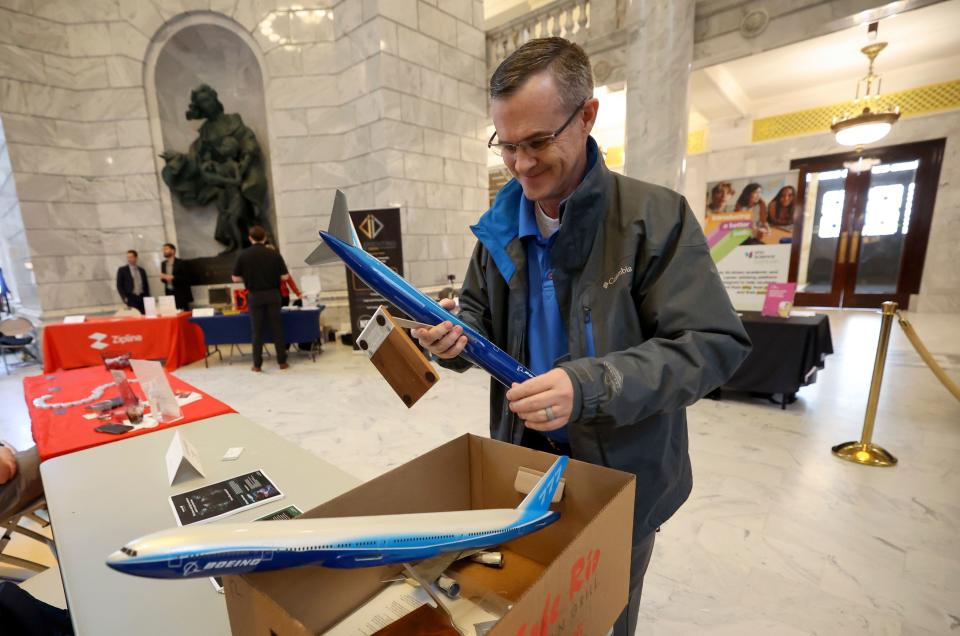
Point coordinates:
[[182, 459], [73, 320], [150, 307], [203, 312]]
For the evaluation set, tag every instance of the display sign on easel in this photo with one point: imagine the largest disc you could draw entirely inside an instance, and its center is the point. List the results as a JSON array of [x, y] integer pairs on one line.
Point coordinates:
[[749, 227], [379, 232]]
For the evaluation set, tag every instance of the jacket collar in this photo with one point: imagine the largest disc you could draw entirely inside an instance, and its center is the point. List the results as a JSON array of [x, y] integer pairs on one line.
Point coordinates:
[[500, 225]]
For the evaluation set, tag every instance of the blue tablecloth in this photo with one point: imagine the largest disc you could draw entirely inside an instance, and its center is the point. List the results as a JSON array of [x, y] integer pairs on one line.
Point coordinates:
[[299, 325]]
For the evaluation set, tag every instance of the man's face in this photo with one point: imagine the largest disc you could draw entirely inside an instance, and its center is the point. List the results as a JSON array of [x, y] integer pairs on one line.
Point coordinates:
[[131, 259], [168, 251], [536, 109]]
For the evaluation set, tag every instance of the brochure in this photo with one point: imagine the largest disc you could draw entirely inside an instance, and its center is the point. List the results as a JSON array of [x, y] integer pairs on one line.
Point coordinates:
[[224, 498], [290, 512], [779, 299]]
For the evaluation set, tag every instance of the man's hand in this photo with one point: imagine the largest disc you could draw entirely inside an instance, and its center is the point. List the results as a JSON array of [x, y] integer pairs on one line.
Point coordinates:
[[166, 277], [8, 464], [530, 400], [444, 340]]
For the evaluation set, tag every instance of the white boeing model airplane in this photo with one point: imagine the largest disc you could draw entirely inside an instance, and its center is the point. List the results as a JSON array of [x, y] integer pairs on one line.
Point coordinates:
[[345, 542]]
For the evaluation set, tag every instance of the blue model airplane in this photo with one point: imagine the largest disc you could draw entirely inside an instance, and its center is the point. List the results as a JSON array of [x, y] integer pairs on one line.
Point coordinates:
[[344, 542], [341, 242]]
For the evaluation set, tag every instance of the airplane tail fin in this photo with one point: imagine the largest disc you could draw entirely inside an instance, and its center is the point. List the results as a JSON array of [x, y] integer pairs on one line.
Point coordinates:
[[340, 227], [538, 501]]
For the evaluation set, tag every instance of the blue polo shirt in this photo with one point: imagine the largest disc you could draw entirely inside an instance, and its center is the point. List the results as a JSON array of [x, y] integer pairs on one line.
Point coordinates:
[[546, 335]]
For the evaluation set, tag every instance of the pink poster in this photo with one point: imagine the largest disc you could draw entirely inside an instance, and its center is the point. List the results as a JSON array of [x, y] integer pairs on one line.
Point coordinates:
[[779, 299]]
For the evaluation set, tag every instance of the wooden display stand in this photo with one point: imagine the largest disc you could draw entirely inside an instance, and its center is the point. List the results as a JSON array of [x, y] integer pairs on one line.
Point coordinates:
[[397, 357]]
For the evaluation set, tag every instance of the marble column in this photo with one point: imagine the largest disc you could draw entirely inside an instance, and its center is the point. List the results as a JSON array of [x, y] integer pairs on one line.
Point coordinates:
[[659, 54]]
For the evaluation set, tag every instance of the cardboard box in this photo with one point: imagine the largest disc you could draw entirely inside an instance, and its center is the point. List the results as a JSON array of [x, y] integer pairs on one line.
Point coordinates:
[[569, 578]]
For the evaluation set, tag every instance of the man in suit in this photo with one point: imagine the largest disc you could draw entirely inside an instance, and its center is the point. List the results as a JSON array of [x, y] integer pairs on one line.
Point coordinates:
[[132, 282], [176, 279]]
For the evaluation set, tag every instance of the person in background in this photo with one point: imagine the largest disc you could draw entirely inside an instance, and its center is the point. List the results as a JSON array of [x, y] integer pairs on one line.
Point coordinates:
[[719, 196], [262, 271], [286, 284], [19, 479], [780, 210], [175, 277], [132, 282], [750, 201], [603, 285]]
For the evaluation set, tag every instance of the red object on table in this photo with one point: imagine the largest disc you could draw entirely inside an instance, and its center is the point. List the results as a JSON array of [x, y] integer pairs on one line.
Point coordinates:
[[58, 433], [171, 338]]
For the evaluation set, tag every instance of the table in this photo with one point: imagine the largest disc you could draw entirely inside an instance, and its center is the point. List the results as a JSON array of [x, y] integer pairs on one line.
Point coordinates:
[[102, 497], [786, 355], [299, 325], [170, 338], [65, 430]]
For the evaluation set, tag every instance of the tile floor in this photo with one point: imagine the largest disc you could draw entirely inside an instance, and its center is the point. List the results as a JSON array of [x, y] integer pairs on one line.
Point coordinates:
[[778, 537]]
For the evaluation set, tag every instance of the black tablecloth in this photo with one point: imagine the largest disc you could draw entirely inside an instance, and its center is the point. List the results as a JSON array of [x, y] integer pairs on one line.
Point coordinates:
[[787, 352]]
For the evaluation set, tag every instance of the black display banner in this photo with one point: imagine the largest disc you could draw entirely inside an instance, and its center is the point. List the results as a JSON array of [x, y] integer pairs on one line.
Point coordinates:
[[379, 232], [212, 270]]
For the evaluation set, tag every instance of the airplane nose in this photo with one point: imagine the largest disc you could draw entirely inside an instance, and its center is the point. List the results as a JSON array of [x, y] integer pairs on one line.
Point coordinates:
[[117, 560]]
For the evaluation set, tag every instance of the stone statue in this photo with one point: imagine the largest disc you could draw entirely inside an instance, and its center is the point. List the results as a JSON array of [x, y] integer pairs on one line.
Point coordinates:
[[223, 166]]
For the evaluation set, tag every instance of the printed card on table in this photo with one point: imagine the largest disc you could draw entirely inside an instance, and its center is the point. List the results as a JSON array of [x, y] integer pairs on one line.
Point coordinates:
[[779, 299]]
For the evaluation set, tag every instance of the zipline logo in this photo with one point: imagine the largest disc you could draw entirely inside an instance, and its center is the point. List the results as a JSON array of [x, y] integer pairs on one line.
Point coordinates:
[[100, 340]]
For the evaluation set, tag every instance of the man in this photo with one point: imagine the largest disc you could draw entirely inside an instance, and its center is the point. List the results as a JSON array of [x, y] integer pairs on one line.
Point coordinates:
[[261, 270], [132, 282], [175, 277], [602, 285], [19, 479]]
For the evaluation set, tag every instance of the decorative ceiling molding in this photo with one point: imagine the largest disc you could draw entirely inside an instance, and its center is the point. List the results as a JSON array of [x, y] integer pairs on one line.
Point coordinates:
[[915, 101]]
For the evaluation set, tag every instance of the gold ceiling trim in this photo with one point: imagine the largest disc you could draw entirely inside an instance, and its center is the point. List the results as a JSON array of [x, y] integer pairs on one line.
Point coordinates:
[[912, 102], [696, 142]]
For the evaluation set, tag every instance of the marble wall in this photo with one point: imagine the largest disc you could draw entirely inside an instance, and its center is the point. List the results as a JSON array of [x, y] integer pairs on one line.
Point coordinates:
[[384, 98], [14, 251], [732, 155]]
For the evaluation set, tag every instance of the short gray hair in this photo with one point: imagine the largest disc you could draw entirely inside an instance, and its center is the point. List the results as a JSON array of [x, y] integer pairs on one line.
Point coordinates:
[[566, 61]]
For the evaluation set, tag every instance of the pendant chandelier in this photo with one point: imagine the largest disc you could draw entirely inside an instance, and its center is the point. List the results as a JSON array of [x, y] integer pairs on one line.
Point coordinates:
[[875, 120]]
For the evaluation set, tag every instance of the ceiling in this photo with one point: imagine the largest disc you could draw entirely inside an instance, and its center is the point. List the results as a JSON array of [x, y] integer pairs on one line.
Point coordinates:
[[924, 48]]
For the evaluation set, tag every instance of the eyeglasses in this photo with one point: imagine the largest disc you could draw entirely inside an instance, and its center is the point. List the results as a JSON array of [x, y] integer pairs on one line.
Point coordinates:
[[531, 145]]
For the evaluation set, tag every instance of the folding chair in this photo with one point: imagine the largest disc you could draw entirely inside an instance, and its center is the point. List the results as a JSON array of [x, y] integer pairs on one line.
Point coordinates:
[[11, 525], [16, 334]]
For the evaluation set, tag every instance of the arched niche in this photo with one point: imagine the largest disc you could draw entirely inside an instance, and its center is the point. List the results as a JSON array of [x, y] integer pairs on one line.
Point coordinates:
[[191, 50]]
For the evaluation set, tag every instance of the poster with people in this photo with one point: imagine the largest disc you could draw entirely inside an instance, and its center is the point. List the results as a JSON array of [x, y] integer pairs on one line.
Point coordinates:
[[749, 228]]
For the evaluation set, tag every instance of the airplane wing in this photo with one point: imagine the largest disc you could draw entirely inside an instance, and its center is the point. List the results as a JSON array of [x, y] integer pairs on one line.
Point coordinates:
[[433, 567], [410, 324]]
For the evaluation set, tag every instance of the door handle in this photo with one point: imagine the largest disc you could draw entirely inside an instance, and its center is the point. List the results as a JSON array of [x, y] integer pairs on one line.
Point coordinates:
[[854, 247], [842, 252]]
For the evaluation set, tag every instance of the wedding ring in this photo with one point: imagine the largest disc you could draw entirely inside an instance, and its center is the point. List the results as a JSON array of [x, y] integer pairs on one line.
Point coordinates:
[[549, 413]]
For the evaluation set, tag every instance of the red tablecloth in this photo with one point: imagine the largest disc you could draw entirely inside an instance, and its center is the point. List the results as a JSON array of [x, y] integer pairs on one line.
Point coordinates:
[[171, 338], [58, 433]]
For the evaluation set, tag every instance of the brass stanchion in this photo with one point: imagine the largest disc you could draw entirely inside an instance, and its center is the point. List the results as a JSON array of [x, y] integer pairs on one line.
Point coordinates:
[[865, 451]]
